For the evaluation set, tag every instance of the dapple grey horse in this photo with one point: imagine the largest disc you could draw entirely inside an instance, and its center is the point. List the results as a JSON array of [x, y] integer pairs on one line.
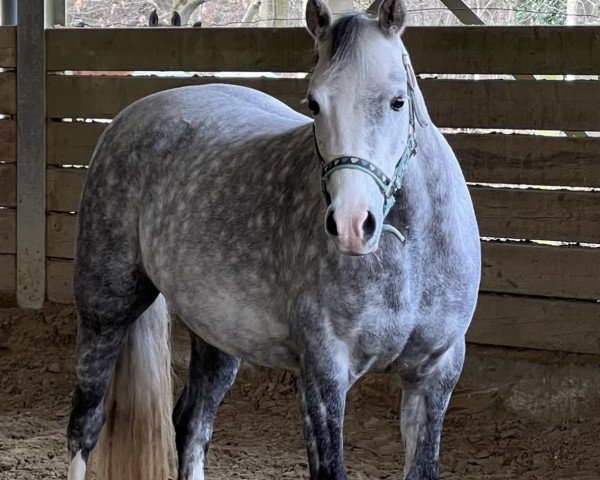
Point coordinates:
[[275, 238]]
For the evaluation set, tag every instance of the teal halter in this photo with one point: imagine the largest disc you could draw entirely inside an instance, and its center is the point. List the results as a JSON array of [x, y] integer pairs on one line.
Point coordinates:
[[388, 185]]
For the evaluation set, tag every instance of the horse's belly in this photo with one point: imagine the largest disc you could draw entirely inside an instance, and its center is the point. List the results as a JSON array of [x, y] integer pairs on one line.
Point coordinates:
[[242, 329]]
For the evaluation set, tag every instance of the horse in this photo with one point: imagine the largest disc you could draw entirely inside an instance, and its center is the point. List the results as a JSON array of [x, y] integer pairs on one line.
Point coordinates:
[[274, 237]]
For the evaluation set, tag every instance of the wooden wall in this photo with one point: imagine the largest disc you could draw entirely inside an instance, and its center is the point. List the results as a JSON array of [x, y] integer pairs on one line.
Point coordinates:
[[532, 294]]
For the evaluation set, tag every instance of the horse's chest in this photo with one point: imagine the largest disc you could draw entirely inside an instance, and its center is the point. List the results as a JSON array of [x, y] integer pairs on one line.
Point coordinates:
[[373, 341]]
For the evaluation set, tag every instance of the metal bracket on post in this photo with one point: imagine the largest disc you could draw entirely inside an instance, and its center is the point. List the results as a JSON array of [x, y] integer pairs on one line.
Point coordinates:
[[31, 155]]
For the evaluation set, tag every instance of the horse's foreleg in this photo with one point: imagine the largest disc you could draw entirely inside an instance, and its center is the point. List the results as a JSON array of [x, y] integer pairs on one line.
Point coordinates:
[[211, 373], [424, 403], [322, 386]]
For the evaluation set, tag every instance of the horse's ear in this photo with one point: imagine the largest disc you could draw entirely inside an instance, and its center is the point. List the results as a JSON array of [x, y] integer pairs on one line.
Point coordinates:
[[176, 19], [153, 20], [392, 16], [318, 18]]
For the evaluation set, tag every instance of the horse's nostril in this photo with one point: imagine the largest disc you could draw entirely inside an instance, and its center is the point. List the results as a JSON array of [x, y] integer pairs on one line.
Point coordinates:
[[330, 225], [369, 226]]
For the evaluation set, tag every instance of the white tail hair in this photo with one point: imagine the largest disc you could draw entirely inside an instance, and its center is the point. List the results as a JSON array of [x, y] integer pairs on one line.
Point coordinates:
[[137, 441]]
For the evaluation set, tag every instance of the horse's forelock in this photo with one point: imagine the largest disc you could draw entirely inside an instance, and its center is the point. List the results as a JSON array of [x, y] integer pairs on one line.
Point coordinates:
[[344, 37]]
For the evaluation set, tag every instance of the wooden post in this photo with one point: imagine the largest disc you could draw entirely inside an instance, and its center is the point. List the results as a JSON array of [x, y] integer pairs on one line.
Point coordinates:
[[31, 155], [9, 12], [462, 11]]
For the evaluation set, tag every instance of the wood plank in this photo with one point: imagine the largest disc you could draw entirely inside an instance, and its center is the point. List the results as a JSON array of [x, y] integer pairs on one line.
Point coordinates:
[[8, 185], [59, 281], [554, 105], [7, 281], [71, 143], [8, 141], [8, 231], [486, 50], [8, 93], [501, 212], [60, 235], [513, 104], [8, 51], [508, 50], [104, 97], [517, 321], [538, 214], [528, 159], [540, 270], [64, 187], [212, 49]]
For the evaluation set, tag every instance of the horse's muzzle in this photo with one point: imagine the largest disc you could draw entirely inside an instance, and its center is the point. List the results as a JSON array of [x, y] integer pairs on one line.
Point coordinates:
[[352, 232]]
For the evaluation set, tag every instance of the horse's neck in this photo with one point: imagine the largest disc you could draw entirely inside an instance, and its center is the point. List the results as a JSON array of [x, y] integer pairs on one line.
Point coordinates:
[[430, 182], [304, 175]]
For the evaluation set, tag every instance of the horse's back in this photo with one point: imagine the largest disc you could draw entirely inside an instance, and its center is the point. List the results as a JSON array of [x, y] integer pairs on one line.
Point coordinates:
[[226, 110]]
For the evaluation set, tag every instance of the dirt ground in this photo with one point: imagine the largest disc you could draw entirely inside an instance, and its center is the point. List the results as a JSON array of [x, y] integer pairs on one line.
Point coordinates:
[[515, 414]]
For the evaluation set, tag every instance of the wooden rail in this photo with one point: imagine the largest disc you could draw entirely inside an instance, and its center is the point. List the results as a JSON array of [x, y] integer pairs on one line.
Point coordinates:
[[514, 104], [455, 50]]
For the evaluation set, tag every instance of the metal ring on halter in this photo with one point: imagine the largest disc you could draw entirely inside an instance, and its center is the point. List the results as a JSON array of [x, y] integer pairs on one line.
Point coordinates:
[[388, 185]]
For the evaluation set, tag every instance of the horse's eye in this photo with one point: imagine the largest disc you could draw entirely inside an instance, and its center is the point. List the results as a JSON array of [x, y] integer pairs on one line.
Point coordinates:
[[397, 103], [313, 106]]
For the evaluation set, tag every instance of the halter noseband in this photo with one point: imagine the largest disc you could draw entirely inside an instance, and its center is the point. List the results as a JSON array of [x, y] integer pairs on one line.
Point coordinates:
[[388, 185]]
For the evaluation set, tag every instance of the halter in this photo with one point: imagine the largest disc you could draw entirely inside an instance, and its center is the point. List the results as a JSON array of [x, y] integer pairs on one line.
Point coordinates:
[[387, 185]]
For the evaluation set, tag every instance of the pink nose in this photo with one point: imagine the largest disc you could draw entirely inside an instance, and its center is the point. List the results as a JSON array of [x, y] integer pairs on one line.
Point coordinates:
[[352, 230]]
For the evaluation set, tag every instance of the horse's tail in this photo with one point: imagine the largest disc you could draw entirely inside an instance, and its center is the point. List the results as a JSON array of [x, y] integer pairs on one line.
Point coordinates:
[[137, 440]]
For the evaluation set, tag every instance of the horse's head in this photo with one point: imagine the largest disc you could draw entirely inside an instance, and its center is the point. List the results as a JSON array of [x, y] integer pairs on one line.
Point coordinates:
[[361, 97]]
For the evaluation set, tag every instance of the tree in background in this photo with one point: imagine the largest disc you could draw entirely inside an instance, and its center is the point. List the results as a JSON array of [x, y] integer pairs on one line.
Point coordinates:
[[289, 13], [102, 13], [554, 12]]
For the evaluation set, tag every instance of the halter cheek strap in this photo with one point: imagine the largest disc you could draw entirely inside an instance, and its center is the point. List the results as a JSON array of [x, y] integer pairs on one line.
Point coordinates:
[[387, 185]]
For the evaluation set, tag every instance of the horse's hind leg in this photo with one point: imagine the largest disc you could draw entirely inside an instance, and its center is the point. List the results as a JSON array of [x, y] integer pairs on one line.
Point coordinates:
[[424, 403], [211, 373], [105, 316]]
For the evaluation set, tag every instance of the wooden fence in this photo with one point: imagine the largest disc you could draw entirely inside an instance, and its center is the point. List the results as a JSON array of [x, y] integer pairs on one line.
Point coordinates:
[[532, 295]]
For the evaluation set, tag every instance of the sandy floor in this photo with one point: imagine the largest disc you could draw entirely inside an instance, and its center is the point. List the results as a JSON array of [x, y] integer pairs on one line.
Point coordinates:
[[532, 418]]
